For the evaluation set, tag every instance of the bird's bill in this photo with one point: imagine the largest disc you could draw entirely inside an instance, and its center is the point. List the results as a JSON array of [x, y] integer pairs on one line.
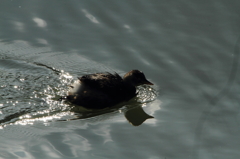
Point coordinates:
[[148, 83]]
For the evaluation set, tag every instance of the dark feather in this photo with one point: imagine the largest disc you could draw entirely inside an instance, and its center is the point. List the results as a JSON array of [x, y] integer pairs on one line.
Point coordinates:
[[102, 90]]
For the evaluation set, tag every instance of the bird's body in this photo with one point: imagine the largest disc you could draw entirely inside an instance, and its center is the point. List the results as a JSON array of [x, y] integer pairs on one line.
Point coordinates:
[[101, 90]]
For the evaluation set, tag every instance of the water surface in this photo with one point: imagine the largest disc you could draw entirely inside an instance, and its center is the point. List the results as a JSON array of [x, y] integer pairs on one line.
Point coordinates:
[[188, 49]]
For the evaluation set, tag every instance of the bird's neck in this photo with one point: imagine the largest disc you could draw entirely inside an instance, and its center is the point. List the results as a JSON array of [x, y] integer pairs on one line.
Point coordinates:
[[129, 81]]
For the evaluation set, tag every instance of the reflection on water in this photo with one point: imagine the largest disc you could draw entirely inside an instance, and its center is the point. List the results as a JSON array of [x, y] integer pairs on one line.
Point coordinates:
[[28, 91], [90, 17], [136, 116], [40, 22], [132, 110], [214, 100]]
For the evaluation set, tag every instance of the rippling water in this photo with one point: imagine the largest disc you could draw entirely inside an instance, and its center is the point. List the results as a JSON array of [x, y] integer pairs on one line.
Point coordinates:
[[188, 49]]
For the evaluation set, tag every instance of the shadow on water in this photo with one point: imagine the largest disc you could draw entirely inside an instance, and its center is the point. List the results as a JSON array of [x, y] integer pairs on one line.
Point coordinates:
[[214, 100]]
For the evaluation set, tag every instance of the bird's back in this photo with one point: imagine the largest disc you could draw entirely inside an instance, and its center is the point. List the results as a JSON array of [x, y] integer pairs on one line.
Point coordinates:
[[102, 90], [105, 82]]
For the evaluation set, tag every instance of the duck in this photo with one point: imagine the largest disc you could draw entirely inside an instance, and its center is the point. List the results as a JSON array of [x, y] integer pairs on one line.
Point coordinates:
[[102, 90]]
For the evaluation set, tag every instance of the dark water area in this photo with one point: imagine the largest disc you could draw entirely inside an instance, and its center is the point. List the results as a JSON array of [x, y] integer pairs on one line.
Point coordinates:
[[188, 49]]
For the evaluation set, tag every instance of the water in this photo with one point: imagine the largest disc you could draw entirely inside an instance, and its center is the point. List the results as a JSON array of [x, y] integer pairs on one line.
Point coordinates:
[[188, 49]]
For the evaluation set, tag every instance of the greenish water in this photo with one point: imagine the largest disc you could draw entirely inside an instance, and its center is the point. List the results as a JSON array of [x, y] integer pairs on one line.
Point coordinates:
[[188, 49]]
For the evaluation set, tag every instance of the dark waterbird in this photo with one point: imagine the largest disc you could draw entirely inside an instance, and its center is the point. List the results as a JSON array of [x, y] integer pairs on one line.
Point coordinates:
[[101, 90]]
